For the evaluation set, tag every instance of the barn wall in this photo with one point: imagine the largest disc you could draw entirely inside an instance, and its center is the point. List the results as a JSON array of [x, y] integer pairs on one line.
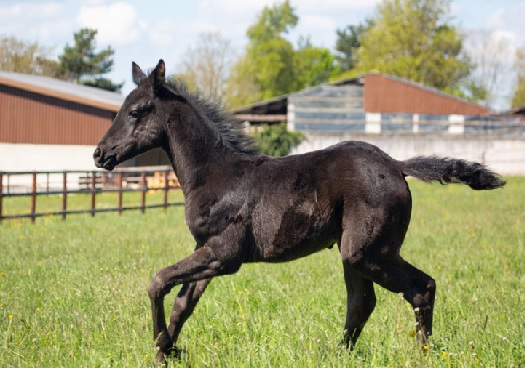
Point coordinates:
[[388, 95], [34, 118]]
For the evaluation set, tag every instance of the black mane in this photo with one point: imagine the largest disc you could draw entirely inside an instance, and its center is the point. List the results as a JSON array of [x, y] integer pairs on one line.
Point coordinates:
[[230, 130]]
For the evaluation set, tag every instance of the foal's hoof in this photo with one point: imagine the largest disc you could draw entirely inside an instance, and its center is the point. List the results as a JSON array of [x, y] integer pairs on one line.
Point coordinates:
[[173, 352], [161, 358], [422, 338]]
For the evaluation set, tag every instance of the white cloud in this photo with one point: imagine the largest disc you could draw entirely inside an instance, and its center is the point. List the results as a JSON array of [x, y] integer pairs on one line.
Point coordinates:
[[94, 2], [45, 22], [234, 7], [334, 5], [117, 23], [319, 22]]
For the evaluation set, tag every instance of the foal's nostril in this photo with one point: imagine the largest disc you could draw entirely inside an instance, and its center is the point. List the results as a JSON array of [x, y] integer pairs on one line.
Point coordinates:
[[97, 153]]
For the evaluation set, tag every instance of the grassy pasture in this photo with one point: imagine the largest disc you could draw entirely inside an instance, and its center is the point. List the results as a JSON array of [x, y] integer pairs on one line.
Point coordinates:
[[73, 293]]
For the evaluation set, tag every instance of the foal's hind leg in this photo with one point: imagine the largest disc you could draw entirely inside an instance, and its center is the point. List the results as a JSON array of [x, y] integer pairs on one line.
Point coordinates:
[[398, 276], [361, 301], [183, 307], [422, 300]]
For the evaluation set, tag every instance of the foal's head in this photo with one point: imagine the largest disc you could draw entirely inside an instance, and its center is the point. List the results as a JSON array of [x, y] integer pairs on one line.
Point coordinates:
[[139, 125]]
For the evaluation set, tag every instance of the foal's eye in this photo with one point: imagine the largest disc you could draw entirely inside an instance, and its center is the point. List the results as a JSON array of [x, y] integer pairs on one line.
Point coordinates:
[[134, 114]]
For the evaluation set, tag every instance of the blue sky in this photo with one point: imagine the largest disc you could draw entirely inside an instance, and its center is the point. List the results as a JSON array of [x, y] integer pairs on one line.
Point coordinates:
[[145, 31]]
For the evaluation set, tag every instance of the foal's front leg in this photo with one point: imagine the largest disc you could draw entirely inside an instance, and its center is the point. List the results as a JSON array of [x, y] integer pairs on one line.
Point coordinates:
[[201, 265], [183, 307]]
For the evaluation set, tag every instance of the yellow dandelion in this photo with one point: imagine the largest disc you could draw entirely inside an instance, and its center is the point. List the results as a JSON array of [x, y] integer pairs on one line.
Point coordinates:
[[37, 309], [425, 347], [10, 316], [438, 268], [444, 355]]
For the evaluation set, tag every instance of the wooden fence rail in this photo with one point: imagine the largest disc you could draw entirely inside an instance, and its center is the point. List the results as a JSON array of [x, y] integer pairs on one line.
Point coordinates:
[[93, 183]]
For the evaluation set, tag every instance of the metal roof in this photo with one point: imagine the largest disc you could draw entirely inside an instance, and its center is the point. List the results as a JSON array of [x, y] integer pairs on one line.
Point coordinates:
[[78, 93], [263, 107]]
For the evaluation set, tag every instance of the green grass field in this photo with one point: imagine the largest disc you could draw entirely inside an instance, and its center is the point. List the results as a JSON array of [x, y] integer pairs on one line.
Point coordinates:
[[73, 293]]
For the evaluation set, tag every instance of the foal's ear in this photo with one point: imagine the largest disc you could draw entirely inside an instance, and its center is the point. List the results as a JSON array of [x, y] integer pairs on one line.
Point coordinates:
[[137, 73], [159, 74]]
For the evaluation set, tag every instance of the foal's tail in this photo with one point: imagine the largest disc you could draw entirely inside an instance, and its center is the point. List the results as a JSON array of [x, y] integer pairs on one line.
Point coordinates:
[[450, 170]]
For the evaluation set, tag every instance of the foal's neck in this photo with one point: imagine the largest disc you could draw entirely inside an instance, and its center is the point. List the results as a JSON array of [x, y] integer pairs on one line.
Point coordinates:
[[193, 145]]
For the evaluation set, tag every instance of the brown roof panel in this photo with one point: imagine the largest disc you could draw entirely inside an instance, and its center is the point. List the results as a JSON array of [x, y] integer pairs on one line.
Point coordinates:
[[67, 91]]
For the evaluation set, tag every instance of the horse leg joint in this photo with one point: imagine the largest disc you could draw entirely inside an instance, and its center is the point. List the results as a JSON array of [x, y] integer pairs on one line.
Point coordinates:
[[156, 286]]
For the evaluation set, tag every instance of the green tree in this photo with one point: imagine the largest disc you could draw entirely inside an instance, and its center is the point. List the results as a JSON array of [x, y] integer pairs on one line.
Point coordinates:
[[312, 65], [518, 98], [26, 57], [271, 66], [276, 140], [82, 64], [267, 65], [348, 42], [413, 39]]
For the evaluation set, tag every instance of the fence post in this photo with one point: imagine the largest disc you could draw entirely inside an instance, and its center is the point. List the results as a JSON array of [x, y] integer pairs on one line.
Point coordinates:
[[119, 185], [166, 186], [33, 198], [1, 193], [144, 190], [93, 193], [64, 195]]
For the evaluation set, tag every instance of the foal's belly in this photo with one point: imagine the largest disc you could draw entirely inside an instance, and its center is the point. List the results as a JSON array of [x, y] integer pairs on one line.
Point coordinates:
[[294, 234]]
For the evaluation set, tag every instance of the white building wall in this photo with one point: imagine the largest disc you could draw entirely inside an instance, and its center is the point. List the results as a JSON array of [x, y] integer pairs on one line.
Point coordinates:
[[503, 154], [35, 157]]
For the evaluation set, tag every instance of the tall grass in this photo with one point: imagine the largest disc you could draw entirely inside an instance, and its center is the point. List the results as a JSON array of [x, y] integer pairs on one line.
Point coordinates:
[[73, 293]]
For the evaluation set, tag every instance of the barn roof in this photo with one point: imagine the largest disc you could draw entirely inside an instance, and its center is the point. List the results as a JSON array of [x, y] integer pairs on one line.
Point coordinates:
[[278, 105], [90, 96]]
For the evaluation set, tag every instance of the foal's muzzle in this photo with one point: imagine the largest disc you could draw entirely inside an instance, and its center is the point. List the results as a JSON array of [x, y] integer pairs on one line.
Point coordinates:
[[101, 161]]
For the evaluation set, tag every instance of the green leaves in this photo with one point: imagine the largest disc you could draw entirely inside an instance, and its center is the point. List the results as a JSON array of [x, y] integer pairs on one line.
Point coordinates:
[[80, 61], [273, 22], [276, 140], [26, 57], [348, 43], [412, 39], [518, 99], [313, 66], [271, 66]]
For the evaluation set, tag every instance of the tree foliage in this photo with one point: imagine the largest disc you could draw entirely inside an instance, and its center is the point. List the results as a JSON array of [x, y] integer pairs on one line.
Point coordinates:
[[518, 98], [82, 64], [276, 140], [489, 52], [266, 68], [26, 57], [271, 66], [205, 66], [413, 39], [312, 66], [348, 43]]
